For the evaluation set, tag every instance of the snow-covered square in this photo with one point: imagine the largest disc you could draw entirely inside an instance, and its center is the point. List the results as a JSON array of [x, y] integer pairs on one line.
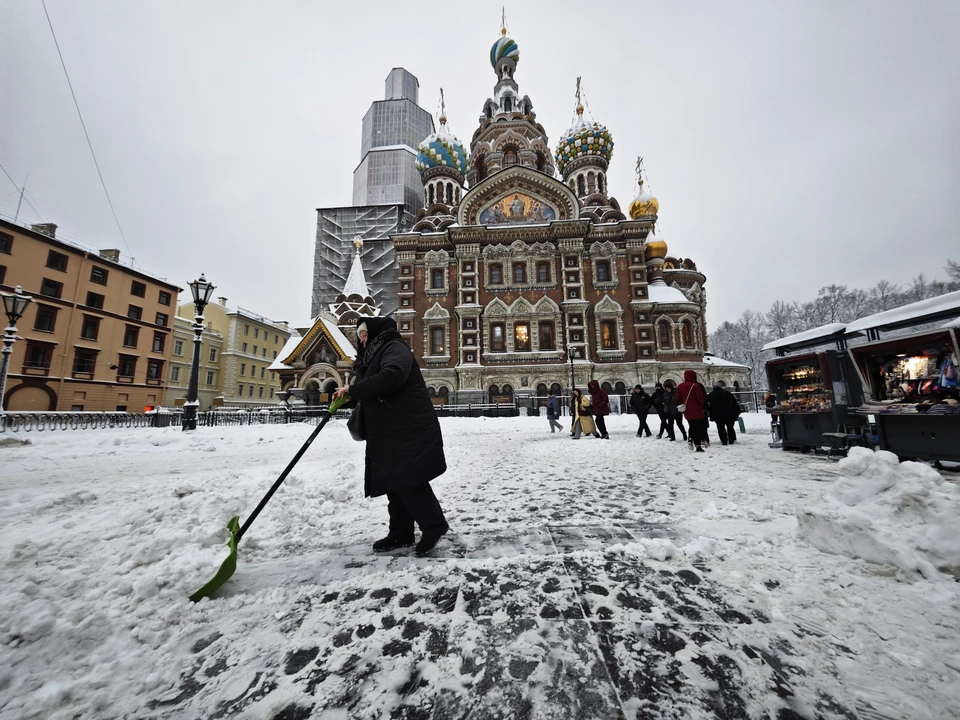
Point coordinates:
[[627, 578]]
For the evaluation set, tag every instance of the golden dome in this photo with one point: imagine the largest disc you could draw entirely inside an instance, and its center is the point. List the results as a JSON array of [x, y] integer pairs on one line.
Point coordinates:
[[644, 204], [656, 248]]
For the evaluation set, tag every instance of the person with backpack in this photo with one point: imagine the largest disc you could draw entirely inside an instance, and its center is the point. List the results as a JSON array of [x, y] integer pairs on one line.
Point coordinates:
[[600, 404], [691, 397], [674, 415], [724, 411], [553, 412], [640, 403]]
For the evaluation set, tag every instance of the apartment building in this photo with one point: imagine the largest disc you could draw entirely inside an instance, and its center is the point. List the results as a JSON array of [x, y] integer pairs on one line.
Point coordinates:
[[97, 336], [181, 362], [251, 342]]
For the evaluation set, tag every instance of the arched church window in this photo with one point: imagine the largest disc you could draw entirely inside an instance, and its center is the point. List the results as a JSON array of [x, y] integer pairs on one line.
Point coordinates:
[[581, 187], [510, 156], [449, 193], [507, 104], [591, 183], [480, 166], [600, 183], [664, 332], [519, 273], [541, 161], [687, 333], [458, 196], [431, 196]]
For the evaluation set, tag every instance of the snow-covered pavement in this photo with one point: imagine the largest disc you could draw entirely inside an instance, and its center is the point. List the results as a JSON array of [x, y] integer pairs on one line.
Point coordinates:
[[627, 578]]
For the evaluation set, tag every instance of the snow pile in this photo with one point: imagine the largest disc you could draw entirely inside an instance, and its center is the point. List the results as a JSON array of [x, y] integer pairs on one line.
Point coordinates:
[[887, 512]]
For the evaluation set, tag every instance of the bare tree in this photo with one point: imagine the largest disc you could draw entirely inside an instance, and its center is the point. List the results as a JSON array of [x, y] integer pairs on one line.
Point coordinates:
[[780, 319], [884, 296], [833, 300], [953, 270], [919, 288], [858, 305]]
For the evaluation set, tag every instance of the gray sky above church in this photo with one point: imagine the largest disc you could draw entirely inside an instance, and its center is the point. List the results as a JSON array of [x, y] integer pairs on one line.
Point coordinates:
[[790, 144]]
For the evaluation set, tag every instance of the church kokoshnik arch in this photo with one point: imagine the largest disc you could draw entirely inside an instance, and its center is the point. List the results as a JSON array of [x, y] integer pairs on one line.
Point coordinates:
[[508, 267]]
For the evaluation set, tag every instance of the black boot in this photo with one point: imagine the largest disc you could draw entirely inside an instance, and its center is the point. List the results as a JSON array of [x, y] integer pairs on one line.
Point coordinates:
[[429, 540], [392, 542]]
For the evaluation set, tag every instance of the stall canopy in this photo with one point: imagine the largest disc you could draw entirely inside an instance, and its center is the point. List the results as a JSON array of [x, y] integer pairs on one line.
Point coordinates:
[[834, 332], [918, 313]]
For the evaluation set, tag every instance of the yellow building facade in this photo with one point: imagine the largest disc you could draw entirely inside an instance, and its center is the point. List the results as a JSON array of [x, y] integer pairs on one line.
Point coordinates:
[[98, 334], [181, 360]]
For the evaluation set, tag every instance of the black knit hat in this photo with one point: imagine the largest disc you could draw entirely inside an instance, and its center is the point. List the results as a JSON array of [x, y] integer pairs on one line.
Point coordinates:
[[376, 325]]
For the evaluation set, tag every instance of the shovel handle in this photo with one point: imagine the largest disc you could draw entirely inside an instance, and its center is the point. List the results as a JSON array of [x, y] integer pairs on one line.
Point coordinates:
[[334, 406]]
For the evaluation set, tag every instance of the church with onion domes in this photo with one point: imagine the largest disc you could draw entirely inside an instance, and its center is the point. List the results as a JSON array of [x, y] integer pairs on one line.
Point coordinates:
[[521, 256]]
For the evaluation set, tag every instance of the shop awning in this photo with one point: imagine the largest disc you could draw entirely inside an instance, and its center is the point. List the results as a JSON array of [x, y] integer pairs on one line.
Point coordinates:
[[808, 338], [918, 313]]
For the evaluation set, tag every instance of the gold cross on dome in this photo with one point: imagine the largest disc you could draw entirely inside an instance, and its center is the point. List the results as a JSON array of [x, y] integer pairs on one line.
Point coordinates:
[[578, 88]]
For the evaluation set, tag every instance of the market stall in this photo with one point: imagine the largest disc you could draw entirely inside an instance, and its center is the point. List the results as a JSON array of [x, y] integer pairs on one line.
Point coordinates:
[[913, 388]]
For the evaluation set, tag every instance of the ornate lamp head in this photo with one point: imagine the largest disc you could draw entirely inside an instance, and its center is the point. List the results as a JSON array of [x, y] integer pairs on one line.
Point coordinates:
[[15, 305]]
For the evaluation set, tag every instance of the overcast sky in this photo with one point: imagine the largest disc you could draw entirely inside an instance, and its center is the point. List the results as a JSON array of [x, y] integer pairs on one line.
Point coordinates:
[[791, 144]]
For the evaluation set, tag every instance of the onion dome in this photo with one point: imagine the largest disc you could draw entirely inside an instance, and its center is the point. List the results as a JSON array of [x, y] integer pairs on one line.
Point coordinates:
[[644, 203], [656, 248], [504, 49], [583, 139], [441, 149]]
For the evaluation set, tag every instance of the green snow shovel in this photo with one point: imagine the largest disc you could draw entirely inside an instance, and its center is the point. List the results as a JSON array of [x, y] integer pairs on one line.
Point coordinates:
[[229, 566], [743, 430]]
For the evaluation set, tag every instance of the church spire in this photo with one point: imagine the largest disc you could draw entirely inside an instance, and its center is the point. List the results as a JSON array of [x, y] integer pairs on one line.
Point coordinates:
[[356, 282]]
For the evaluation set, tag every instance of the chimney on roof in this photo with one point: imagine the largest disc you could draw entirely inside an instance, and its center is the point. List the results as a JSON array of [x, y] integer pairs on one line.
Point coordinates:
[[223, 300], [48, 229], [113, 255]]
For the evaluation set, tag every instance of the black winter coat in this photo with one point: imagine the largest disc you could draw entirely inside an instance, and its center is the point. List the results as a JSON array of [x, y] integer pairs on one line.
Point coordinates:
[[723, 406], [640, 403], [670, 403], [656, 400], [404, 444]]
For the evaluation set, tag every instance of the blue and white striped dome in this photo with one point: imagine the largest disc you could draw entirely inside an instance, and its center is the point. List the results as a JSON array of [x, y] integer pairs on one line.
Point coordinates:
[[441, 149], [504, 49]]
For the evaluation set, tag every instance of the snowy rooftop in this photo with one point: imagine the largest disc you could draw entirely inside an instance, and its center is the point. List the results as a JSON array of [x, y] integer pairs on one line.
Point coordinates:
[[288, 347], [936, 308], [665, 294], [808, 338], [711, 359]]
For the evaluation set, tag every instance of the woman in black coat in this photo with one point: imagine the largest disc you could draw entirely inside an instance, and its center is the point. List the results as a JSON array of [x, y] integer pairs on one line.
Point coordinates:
[[640, 404], [404, 445]]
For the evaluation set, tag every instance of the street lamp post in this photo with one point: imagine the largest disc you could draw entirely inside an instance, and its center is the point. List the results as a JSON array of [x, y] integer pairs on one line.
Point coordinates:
[[573, 382], [201, 290], [14, 306]]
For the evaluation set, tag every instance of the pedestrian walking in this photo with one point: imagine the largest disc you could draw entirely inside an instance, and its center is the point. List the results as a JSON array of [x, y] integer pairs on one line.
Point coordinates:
[[724, 411], [640, 403], [399, 424], [600, 403], [656, 402], [691, 396], [582, 420], [674, 416], [553, 412]]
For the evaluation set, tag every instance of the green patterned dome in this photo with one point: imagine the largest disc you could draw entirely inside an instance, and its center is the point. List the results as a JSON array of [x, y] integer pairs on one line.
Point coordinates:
[[504, 49], [583, 139]]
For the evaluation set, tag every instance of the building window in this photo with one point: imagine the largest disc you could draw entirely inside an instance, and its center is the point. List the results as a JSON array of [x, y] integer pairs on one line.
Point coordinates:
[[162, 319], [95, 300], [687, 330], [243, 368], [178, 347], [154, 369], [263, 352], [239, 390], [130, 336], [6, 242], [51, 288], [175, 373], [209, 377], [158, 342], [46, 318], [406, 269], [213, 354], [546, 336], [521, 337], [436, 340], [164, 298], [135, 312], [246, 329], [603, 271], [57, 261], [37, 356], [497, 336], [664, 332], [99, 275], [276, 339], [256, 333], [262, 368], [3, 274], [436, 279], [243, 347], [128, 366], [608, 335], [84, 362], [138, 288], [261, 391], [254, 349], [543, 272], [90, 329], [496, 274], [253, 371], [519, 273]]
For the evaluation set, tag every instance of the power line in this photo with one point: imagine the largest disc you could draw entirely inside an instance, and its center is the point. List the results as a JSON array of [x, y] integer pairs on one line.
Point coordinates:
[[84, 126]]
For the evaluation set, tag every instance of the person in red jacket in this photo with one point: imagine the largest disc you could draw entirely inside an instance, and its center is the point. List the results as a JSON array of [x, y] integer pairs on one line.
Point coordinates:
[[601, 407], [691, 394]]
